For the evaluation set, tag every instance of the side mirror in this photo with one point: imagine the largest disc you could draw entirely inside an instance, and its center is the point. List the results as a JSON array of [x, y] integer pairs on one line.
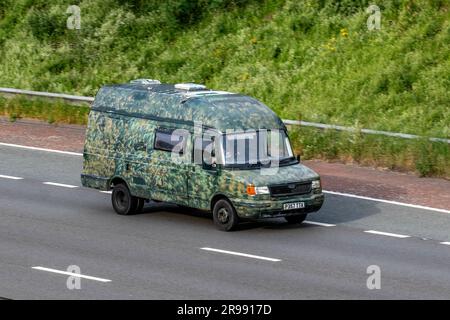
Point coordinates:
[[297, 157], [213, 162], [210, 168]]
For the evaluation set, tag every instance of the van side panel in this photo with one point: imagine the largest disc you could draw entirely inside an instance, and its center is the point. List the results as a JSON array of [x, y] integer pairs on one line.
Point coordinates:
[[99, 150], [138, 145]]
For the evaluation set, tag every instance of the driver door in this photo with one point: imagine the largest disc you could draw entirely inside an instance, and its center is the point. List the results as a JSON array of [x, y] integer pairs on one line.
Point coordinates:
[[202, 180]]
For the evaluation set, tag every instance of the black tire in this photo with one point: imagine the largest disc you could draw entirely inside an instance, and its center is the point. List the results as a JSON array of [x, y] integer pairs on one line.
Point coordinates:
[[224, 215], [297, 219], [122, 200], [140, 205]]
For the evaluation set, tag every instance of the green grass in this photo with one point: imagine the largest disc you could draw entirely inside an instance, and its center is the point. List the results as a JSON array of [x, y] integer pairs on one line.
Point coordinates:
[[51, 111], [311, 60], [430, 159]]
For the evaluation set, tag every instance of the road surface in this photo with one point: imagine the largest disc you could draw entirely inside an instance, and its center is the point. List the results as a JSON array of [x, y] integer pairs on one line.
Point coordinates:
[[48, 222]]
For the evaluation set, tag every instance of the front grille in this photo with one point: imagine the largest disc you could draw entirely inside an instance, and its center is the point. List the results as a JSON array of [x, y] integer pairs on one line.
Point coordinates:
[[290, 189]]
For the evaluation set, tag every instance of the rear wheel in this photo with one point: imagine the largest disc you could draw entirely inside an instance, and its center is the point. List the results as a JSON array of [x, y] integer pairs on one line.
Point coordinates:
[[122, 200], [224, 215], [296, 219]]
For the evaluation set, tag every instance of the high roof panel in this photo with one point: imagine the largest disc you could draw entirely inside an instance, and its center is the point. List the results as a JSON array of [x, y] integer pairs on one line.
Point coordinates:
[[219, 109]]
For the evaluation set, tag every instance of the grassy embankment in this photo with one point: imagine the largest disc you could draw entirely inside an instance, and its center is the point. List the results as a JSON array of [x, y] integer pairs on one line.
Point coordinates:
[[309, 60]]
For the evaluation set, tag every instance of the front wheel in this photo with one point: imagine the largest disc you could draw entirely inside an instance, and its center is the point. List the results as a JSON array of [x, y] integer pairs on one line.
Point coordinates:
[[296, 219], [224, 215]]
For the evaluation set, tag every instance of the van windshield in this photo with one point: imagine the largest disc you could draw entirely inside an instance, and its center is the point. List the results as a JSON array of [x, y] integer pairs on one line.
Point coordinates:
[[255, 149]]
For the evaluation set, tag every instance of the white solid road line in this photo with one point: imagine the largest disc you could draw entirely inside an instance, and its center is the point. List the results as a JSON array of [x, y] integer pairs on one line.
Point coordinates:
[[107, 192], [40, 149], [446, 243], [402, 236], [10, 177], [60, 185], [71, 274], [241, 254], [320, 223], [386, 201]]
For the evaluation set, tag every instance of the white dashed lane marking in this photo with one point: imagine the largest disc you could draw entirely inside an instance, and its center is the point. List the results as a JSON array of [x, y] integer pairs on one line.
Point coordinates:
[[241, 254], [78, 275], [40, 149], [402, 236], [60, 185], [322, 224], [10, 177]]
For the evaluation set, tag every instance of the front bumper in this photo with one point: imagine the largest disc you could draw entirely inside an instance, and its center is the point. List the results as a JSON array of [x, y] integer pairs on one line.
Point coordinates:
[[273, 207]]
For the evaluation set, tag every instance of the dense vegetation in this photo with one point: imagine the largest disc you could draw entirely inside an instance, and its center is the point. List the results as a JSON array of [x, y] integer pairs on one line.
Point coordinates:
[[53, 112], [313, 60]]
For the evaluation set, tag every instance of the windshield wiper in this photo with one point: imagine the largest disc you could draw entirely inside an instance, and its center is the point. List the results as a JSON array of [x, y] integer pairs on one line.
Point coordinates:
[[287, 160], [259, 164], [252, 165], [243, 166]]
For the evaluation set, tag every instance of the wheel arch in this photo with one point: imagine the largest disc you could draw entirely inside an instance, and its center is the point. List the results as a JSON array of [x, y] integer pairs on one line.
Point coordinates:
[[217, 197], [116, 180]]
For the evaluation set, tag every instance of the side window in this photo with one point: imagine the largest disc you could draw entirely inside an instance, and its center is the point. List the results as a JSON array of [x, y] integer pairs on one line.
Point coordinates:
[[171, 140]]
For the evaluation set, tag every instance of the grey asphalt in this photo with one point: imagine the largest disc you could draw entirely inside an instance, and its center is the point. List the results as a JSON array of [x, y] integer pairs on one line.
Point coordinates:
[[157, 255]]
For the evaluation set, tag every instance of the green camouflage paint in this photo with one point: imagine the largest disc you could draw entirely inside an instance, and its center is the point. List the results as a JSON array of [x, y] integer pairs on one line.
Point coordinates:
[[120, 140]]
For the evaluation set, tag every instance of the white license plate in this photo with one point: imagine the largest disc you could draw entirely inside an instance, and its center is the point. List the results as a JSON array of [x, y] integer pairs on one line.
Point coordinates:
[[293, 205]]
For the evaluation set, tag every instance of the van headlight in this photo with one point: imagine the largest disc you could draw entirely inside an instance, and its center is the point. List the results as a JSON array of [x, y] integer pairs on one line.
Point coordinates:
[[252, 190], [315, 184]]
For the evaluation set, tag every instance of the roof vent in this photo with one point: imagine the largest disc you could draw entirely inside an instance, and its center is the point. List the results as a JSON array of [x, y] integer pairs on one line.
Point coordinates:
[[145, 81], [190, 86]]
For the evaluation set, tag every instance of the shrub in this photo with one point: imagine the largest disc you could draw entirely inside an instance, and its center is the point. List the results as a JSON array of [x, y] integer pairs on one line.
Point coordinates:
[[45, 25]]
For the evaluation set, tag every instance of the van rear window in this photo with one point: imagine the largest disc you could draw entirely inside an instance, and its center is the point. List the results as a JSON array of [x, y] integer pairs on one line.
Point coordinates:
[[170, 140]]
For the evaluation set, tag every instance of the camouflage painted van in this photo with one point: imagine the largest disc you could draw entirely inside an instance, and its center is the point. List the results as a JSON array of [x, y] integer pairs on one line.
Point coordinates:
[[221, 152]]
